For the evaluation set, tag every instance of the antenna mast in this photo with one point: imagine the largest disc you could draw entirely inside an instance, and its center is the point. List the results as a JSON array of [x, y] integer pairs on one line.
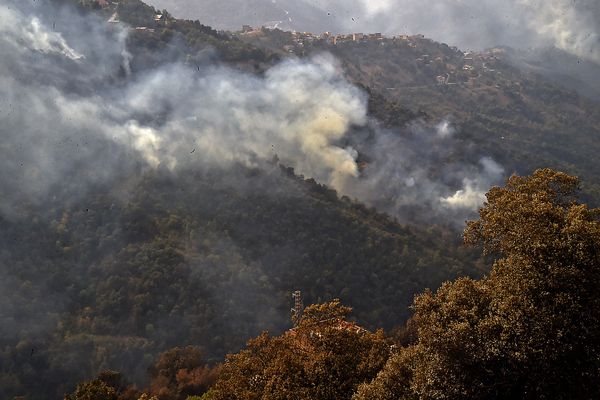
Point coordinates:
[[298, 307]]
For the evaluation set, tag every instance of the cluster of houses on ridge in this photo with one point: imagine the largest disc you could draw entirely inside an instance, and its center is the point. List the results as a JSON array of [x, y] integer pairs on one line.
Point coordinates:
[[304, 38], [463, 67], [472, 65]]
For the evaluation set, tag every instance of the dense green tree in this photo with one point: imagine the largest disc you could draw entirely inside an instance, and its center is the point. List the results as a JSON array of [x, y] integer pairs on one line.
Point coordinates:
[[531, 329]]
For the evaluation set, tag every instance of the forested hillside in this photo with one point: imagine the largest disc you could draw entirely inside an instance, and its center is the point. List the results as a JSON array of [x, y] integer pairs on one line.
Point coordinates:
[[122, 262], [205, 258], [527, 330]]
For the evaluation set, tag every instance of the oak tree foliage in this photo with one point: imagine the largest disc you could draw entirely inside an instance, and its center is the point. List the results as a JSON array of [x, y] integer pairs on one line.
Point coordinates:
[[529, 330], [325, 357]]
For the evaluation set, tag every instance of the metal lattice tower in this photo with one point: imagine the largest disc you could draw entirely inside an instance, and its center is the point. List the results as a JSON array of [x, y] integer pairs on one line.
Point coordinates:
[[298, 307]]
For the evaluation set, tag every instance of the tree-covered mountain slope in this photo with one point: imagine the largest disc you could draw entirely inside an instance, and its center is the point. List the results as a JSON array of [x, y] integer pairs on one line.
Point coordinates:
[[524, 120], [206, 258]]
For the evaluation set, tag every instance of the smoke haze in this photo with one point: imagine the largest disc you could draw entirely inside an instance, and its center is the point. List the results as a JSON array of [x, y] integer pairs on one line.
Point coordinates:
[[572, 26], [76, 118], [423, 174], [67, 127]]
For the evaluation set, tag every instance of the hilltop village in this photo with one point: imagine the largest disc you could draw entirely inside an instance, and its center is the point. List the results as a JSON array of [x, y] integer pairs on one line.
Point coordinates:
[[429, 64], [445, 65], [409, 70]]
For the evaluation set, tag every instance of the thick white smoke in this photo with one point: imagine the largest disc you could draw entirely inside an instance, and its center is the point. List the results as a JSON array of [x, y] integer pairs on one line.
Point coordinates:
[[473, 193], [298, 110], [420, 174], [32, 35], [59, 135]]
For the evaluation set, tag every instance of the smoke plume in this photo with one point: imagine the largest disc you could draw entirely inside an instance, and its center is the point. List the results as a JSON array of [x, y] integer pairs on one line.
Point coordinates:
[[423, 174], [66, 127]]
